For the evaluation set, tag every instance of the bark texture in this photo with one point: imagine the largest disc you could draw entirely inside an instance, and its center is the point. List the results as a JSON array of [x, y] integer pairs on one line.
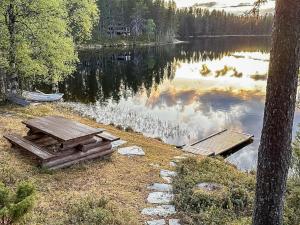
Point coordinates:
[[275, 148], [12, 78]]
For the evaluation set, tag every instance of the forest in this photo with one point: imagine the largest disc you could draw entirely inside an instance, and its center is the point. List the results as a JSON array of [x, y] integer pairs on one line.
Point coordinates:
[[162, 21]]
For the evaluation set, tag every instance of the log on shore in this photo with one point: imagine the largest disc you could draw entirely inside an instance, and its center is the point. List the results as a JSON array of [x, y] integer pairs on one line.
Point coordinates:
[[66, 146], [86, 147], [76, 156], [89, 157]]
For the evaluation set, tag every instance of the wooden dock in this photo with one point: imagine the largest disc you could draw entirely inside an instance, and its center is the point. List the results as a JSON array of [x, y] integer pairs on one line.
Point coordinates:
[[219, 143]]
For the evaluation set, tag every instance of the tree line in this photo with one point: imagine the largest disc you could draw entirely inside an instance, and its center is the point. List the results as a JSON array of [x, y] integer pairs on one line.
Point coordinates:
[[161, 20], [195, 21]]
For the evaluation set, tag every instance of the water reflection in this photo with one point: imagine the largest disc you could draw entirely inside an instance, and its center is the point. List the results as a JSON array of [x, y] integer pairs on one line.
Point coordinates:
[[178, 93]]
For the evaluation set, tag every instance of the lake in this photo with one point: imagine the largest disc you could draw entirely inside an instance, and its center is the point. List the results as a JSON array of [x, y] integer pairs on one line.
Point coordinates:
[[178, 93]]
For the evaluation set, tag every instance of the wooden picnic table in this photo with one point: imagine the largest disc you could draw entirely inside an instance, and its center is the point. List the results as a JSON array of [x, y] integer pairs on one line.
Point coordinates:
[[63, 130], [59, 142]]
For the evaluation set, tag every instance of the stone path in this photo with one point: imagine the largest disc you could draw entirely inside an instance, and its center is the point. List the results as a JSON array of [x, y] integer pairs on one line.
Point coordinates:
[[161, 198]]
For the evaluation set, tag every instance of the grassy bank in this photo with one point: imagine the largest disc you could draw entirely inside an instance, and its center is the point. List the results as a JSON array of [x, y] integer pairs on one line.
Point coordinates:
[[114, 191], [122, 180]]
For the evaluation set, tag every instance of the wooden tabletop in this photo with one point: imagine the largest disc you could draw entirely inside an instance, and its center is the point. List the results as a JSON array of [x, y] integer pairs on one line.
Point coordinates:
[[62, 129]]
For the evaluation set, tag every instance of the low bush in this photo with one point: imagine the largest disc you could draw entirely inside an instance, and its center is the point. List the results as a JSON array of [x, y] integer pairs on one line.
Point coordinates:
[[233, 201], [129, 129], [230, 205], [119, 127], [14, 205], [98, 212]]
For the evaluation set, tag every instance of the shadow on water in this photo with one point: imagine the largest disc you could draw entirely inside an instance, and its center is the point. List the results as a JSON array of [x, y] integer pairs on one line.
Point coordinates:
[[119, 73]]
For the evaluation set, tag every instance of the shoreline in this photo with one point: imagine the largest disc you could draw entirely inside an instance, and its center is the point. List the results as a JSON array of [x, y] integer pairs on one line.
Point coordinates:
[[123, 180], [231, 35], [128, 44], [124, 44]]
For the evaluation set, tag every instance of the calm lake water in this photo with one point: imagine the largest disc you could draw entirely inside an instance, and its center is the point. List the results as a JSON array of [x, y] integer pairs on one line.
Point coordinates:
[[179, 93]]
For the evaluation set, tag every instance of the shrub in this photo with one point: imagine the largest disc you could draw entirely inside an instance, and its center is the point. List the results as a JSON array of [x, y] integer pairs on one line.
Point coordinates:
[[13, 206], [98, 212], [129, 129], [292, 209], [119, 127], [231, 202]]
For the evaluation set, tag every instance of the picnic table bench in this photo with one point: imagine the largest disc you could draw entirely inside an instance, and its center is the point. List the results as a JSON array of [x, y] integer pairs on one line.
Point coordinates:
[[58, 142]]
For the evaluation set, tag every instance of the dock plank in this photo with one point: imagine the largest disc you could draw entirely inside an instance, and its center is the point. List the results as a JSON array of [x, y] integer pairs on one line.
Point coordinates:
[[218, 143]]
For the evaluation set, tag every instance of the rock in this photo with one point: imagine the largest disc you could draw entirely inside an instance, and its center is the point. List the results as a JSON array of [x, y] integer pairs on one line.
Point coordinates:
[[156, 222], [131, 151], [174, 222], [181, 157], [209, 186], [118, 143], [168, 173], [162, 210], [169, 180], [173, 164], [160, 197], [161, 187]]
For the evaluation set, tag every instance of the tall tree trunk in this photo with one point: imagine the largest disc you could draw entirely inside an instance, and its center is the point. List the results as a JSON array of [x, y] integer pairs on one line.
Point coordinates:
[[12, 78], [275, 147]]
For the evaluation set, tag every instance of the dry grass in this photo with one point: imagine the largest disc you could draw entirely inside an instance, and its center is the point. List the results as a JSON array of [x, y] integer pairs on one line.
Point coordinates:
[[121, 179]]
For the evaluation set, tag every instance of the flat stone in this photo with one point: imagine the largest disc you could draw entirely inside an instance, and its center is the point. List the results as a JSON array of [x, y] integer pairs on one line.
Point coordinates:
[[156, 222], [131, 151], [168, 173], [160, 197], [162, 210], [154, 165], [161, 187], [173, 164], [169, 180], [175, 160], [181, 157], [118, 143], [174, 222], [209, 186]]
